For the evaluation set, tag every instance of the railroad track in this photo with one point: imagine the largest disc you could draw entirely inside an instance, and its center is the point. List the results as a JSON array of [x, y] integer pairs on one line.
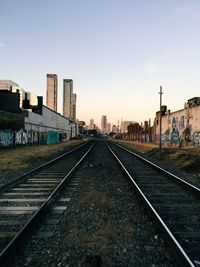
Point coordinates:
[[101, 175], [23, 202], [174, 203]]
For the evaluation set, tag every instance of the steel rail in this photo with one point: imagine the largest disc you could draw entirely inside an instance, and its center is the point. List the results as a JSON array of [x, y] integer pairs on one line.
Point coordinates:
[[182, 256], [188, 185], [21, 235], [20, 178]]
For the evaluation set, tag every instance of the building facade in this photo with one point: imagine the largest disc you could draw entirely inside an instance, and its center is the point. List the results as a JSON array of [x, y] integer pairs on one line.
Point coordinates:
[[182, 126], [52, 87], [124, 126], [68, 98], [104, 124], [74, 107], [8, 85]]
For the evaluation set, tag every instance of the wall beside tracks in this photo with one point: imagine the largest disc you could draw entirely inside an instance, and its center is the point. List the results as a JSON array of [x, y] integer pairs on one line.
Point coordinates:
[[46, 128], [180, 127]]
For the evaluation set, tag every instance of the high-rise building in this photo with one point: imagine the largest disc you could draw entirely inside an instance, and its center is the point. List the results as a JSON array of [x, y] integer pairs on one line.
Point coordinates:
[[91, 125], [104, 124], [74, 107], [52, 85], [108, 127], [68, 98]]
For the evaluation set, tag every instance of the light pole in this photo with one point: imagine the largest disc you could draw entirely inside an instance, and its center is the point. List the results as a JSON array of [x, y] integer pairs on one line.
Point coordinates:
[[160, 139]]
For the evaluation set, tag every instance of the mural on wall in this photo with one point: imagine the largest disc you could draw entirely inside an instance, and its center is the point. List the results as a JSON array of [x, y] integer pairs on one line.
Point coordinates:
[[33, 137], [179, 131], [196, 139], [6, 138], [43, 138], [175, 137], [53, 137], [21, 137]]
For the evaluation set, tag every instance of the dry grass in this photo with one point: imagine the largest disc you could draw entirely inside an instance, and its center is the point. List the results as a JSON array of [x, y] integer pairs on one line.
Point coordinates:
[[14, 159], [183, 158]]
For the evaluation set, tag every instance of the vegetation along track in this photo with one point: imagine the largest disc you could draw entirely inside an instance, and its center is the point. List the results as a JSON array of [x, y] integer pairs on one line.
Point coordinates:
[[104, 223], [175, 202], [24, 199]]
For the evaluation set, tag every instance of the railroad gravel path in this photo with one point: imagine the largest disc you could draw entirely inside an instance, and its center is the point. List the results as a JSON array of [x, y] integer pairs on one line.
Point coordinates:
[[24, 159], [104, 218], [191, 175]]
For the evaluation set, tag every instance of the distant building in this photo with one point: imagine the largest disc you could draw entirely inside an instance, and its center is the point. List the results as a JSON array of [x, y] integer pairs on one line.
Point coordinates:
[[114, 129], [124, 126], [104, 124], [91, 125], [52, 86], [33, 99], [8, 85], [9, 101], [181, 126], [68, 98], [108, 127], [74, 107]]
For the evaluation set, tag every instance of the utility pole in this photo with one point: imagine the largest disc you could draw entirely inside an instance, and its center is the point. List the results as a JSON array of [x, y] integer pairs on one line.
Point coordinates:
[[160, 139]]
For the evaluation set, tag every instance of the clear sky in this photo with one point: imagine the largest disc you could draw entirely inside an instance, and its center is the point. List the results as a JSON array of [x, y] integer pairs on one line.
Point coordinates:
[[118, 52]]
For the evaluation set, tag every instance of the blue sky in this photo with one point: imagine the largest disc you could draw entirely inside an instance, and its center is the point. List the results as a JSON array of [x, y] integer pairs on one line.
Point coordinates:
[[118, 52]]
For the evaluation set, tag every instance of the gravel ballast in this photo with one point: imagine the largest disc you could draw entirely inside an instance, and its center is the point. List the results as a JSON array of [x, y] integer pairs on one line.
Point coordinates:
[[105, 219]]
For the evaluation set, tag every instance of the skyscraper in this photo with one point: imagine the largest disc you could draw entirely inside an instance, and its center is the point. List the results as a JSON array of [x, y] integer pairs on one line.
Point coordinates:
[[68, 98], [104, 124], [52, 84], [74, 107]]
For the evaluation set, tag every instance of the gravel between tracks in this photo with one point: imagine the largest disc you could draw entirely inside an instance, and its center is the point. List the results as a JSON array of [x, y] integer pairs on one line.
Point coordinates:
[[184, 163], [104, 218]]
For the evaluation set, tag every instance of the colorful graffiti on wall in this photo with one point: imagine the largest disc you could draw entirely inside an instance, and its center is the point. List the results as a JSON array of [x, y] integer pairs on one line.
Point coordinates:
[[180, 131], [53, 137], [6, 138], [21, 137], [175, 136], [196, 138]]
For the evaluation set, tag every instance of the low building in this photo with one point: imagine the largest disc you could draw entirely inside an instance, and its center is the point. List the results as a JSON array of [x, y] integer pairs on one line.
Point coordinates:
[[182, 126], [39, 124]]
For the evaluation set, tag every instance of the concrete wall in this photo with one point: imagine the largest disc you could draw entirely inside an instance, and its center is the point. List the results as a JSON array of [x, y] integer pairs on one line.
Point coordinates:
[[182, 126], [49, 121], [48, 128]]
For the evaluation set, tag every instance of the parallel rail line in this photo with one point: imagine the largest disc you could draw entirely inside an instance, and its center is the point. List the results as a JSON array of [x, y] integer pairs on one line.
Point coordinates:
[[173, 203], [25, 199]]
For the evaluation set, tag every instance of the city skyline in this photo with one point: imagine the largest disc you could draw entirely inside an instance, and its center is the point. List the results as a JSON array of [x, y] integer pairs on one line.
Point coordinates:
[[117, 65]]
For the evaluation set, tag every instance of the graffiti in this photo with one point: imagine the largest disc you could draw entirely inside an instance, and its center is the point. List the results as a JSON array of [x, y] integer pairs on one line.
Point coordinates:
[[32, 137], [196, 139], [53, 137], [175, 131], [43, 137], [6, 138], [21, 137], [181, 122]]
